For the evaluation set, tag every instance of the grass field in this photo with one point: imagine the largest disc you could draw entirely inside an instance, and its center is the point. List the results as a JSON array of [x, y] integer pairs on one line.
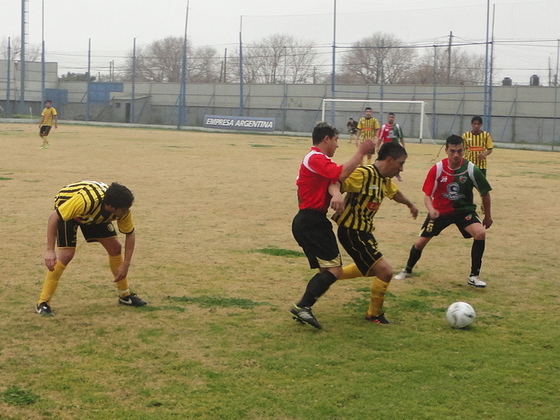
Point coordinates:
[[217, 263]]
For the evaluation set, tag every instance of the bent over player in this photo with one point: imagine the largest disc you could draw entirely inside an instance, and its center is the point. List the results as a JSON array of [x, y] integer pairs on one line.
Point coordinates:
[[448, 190], [310, 227], [92, 207], [365, 190]]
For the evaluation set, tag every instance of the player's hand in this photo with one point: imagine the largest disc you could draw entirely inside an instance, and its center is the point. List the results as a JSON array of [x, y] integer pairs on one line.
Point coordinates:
[[337, 203], [434, 214], [50, 260], [367, 147], [122, 272], [487, 222], [413, 211]]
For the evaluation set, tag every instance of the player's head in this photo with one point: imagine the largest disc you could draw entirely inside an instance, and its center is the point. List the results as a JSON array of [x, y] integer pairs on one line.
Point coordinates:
[[390, 159], [477, 118], [118, 197], [48, 103], [351, 119], [476, 124], [322, 130], [392, 150], [454, 148], [368, 111], [391, 117]]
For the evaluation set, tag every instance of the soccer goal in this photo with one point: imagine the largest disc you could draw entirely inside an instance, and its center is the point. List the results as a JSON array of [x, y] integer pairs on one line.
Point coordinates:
[[410, 115]]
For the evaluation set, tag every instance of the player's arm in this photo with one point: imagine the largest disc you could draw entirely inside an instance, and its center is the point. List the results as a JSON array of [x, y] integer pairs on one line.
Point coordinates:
[[129, 244], [55, 120], [42, 120], [364, 148], [337, 202], [399, 197], [52, 228], [428, 202], [487, 203], [483, 155]]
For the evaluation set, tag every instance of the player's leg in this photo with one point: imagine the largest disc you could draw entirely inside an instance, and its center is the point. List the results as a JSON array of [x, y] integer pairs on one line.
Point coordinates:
[[382, 274], [66, 242], [313, 232], [430, 228], [105, 234], [478, 233]]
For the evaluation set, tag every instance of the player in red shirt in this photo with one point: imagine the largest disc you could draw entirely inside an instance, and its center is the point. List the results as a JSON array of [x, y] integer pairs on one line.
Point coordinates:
[[448, 190], [310, 227]]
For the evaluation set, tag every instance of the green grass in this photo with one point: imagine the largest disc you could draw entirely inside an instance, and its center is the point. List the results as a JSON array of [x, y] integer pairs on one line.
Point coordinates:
[[216, 340]]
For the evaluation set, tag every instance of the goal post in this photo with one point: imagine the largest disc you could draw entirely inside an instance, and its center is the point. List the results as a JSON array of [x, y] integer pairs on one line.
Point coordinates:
[[413, 109]]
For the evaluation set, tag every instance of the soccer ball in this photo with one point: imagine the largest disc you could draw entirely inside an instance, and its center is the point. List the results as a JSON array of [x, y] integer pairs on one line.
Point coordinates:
[[460, 315]]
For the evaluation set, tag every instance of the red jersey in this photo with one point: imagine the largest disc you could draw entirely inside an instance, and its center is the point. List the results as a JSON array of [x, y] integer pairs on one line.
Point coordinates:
[[451, 190], [316, 172]]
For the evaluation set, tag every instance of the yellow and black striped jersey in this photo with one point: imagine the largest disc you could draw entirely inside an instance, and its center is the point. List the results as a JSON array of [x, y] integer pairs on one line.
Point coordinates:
[[368, 127], [365, 190], [83, 201], [48, 115], [475, 144]]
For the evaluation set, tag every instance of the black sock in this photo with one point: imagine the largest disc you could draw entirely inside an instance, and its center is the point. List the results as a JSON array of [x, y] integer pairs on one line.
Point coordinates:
[[413, 258], [477, 251], [316, 288]]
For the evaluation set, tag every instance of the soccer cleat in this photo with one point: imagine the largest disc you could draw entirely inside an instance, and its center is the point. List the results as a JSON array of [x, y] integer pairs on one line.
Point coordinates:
[[44, 309], [377, 319], [132, 300], [403, 275], [304, 316], [475, 281]]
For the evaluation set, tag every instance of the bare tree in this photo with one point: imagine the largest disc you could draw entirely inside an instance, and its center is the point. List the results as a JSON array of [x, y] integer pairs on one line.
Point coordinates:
[[279, 58], [380, 58], [32, 51], [162, 61], [464, 69]]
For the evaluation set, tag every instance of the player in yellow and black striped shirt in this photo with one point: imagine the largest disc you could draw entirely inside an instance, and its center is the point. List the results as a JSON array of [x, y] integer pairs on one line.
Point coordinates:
[[92, 207], [478, 144], [367, 128], [365, 190]]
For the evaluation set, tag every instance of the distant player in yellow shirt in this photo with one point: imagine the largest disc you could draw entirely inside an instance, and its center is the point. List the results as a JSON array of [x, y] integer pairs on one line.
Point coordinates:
[[49, 117], [478, 144], [367, 129]]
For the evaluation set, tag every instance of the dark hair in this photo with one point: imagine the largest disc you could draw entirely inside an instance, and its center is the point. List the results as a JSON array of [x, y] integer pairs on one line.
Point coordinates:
[[391, 113], [476, 118], [118, 196], [368, 107], [321, 130], [393, 150], [48, 100], [453, 139]]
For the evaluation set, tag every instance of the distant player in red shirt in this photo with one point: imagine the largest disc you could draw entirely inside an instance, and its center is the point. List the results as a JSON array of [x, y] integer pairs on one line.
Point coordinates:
[[448, 190], [390, 132], [310, 227]]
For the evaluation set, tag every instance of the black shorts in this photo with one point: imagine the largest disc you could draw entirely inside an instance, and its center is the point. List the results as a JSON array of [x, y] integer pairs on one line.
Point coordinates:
[[67, 232], [361, 246], [433, 227], [44, 130], [313, 232]]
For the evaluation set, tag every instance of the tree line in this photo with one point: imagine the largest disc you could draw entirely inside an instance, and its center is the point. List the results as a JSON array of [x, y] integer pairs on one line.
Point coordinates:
[[281, 58]]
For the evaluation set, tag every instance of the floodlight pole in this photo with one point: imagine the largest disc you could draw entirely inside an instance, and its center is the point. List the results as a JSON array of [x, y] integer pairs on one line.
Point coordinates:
[[333, 76], [88, 76], [555, 93], [22, 57], [8, 107], [486, 61], [240, 66], [42, 52], [183, 98], [133, 86]]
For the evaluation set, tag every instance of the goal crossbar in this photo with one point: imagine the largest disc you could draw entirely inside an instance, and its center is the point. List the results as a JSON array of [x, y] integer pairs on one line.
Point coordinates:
[[378, 101]]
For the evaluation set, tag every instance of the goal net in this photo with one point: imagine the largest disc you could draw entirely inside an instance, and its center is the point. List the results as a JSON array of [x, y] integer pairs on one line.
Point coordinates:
[[410, 115]]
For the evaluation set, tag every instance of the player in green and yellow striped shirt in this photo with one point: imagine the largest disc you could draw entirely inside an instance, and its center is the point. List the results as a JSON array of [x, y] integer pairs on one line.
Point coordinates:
[[92, 207]]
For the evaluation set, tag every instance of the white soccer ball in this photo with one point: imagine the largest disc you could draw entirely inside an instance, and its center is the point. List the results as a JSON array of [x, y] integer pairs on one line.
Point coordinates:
[[460, 315]]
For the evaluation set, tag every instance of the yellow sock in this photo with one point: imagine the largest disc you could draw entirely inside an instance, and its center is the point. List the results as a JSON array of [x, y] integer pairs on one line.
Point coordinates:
[[377, 296], [122, 285], [350, 272], [51, 283]]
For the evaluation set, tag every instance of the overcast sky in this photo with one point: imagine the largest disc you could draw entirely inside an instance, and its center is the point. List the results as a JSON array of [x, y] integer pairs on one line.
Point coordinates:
[[526, 32]]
